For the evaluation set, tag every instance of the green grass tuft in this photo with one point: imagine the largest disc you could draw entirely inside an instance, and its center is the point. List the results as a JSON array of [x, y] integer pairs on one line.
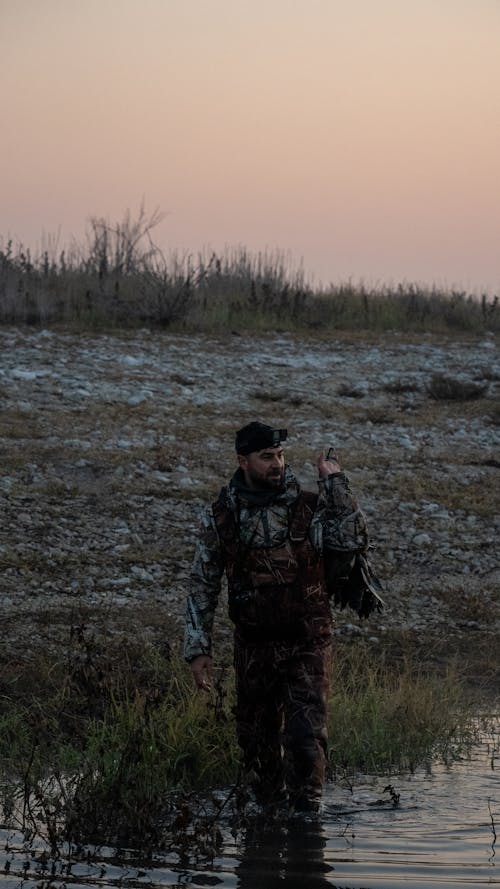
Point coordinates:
[[387, 718]]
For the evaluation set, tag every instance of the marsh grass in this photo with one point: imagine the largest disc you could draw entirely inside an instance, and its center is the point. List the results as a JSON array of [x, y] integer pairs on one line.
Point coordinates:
[[119, 277], [386, 718], [106, 740]]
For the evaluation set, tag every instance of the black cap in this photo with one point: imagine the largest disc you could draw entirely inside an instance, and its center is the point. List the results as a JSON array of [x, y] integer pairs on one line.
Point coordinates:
[[257, 436]]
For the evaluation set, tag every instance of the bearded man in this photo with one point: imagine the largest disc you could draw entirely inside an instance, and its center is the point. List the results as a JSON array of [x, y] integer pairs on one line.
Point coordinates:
[[274, 540]]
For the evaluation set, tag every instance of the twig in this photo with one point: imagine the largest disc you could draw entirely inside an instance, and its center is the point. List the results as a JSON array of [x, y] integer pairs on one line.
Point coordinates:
[[493, 829]]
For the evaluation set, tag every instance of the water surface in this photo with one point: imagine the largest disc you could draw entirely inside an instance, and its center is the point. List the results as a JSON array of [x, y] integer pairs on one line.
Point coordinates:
[[442, 833]]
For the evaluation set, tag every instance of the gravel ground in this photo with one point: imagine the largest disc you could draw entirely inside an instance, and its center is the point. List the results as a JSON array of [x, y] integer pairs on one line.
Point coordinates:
[[111, 445]]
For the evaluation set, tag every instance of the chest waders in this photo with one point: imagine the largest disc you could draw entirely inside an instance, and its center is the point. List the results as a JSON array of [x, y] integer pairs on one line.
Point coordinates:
[[281, 612]]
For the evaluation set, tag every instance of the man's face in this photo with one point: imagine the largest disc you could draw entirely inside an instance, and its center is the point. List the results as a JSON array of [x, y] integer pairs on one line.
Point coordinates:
[[264, 469]]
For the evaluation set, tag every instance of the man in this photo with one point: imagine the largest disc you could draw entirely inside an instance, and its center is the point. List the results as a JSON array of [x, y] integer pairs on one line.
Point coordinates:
[[272, 539]]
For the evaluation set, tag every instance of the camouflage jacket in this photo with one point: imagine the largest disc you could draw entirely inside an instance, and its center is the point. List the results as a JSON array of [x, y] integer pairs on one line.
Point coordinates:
[[337, 524]]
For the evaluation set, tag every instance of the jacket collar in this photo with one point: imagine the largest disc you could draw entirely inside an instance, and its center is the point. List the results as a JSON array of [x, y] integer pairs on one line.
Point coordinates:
[[239, 494]]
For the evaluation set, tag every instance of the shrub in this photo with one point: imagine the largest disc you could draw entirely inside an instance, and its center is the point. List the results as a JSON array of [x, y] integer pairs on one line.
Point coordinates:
[[446, 388]]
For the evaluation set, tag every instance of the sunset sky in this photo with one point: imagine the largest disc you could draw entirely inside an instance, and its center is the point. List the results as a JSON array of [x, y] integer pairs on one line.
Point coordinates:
[[360, 136]]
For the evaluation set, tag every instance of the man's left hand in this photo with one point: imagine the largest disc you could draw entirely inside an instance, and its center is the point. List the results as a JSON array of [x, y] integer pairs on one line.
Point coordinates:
[[328, 466]]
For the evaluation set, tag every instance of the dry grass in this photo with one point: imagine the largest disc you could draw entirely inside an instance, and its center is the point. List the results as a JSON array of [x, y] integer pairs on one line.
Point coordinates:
[[120, 278], [445, 388], [449, 492]]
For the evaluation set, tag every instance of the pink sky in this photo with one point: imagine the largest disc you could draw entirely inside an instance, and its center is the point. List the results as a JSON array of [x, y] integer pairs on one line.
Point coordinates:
[[362, 137]]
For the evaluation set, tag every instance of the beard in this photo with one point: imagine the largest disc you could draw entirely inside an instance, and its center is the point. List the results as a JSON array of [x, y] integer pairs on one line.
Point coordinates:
[[269, 481]]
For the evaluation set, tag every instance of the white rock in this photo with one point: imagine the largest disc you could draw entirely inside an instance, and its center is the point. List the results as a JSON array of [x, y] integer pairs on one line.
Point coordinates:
[[138, 398], [141, 573], [20, 374], [131, 360], [422, 539]]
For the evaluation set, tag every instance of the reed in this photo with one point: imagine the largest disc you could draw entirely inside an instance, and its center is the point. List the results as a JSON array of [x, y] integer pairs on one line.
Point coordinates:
[[120, 278]]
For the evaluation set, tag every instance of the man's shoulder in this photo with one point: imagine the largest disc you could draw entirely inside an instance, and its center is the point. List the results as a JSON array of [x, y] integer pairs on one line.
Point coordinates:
[[223, 500], [223, 511]]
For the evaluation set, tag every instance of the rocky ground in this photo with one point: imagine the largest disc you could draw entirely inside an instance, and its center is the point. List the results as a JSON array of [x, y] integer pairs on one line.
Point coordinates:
[[111, 445]]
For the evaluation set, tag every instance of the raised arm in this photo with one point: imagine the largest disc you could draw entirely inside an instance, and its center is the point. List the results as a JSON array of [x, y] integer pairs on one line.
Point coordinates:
[[339, 522]]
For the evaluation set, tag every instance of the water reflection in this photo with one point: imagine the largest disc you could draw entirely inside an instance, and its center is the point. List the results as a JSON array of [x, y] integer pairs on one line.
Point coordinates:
[[274, 855], [442, 833]]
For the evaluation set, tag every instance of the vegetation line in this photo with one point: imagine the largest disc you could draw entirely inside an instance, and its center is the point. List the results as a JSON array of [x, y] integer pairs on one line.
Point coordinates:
[[119, 277]]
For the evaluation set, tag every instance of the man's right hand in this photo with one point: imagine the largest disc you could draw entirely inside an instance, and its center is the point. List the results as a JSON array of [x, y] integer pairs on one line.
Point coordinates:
[[201, 669]]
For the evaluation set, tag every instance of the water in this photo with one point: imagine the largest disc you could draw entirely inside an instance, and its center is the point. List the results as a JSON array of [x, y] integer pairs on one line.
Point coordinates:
[[442, 833]]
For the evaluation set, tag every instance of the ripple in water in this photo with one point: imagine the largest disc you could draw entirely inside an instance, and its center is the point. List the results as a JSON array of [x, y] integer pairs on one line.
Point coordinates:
[[442, 833]]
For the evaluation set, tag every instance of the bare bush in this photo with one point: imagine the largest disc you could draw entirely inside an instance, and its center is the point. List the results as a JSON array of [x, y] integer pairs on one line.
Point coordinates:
[[399, 387], [445, 388], [346, 390], [379, 416]]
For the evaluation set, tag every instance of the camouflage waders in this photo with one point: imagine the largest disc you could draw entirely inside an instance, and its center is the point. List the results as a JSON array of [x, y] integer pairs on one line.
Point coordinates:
[[281, 710], [281, 612]]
